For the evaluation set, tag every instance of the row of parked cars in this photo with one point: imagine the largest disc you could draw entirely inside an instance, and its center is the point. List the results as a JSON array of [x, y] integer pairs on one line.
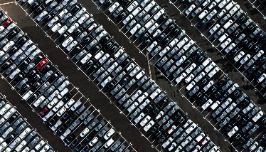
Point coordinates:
[[101, 58], [233, 33], [183, 62], [60, 105], [16, 134]]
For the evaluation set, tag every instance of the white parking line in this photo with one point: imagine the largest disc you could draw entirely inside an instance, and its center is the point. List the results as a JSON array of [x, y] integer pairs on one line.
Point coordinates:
[[7, 3], [256, 7]]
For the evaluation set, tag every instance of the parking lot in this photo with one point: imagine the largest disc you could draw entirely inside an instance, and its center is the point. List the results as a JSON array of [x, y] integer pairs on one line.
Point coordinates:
[[102, 101], [172, 92], [12, 115], [139, 89], [31, 117], [112, 11], [217, 57], [68, 68]]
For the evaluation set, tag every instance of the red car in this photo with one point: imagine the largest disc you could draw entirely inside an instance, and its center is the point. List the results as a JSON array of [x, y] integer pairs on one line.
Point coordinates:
[[41, 64], [44, 111], [7, 22]]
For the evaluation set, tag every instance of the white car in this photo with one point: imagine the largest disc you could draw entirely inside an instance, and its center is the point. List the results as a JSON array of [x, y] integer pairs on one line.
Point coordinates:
[[71, 45], [141, 116], [109, 134], [155, 93], [113, 7], [215, 105], [69, 103], [181, 60], [63, 85], [180, 78], [2, 29], [39, 101], [223, 38], [83, 18], [207, 104], [93, 141], [213, 72], [150, 6], [167, 142], [108, 143], [190, 9], [257, 116], [136, 11], [108, 79], [2, 53], [232, 131], [80, 12], [191, 85], [135, 28], [8, 46], [191, 128], [84, 132], [21, 145], [189, 78], [209, 67], [45, 148], [225, 43], [145, 120], [62, 93], [208, 85], [258, 55], [148, 126], [127, 19], [56, 27], [27, 95], [203, 14], [228, 24], [58, 106], [67, 41], [13, 74], [261, 78], [15, 55], [158, 14], [73, 27], [9, 113], [245, 59], [200, 137], [25, 133], [62, 30], [40, 16], [86, 58], [132, 6], [172, 146], [214, 29], [39, 145]]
